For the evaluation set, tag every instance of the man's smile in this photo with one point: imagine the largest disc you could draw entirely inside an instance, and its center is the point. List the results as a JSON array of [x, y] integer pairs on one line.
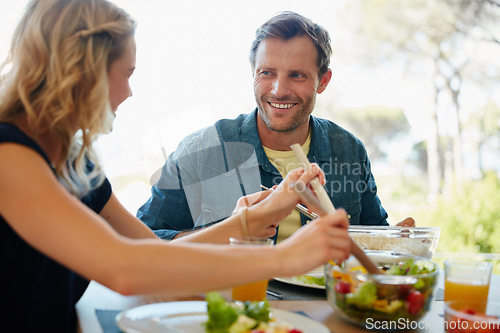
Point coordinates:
[[282, 105]]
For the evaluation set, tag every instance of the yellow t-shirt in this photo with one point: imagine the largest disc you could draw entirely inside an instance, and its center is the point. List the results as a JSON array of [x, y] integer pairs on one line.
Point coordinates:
[[285, 161]]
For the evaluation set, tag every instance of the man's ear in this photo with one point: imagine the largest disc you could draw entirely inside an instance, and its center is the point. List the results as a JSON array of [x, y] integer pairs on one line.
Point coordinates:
[[323, 83]]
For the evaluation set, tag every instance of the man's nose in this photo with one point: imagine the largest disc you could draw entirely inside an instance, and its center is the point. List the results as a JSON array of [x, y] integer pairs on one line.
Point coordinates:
[[281, 87]]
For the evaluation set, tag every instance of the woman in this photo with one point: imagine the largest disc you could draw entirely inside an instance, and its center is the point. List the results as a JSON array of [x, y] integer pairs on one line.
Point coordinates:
[[60, 223]]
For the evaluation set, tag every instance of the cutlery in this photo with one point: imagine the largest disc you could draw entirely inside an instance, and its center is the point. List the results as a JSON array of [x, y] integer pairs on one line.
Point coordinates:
[[274, 294], [323, 206], [299, 207]]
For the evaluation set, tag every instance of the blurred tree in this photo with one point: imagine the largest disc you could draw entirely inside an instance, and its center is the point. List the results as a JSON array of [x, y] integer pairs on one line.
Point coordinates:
[[437, 40], [469, 218], [419, 156], [485, 123], [374, 125]]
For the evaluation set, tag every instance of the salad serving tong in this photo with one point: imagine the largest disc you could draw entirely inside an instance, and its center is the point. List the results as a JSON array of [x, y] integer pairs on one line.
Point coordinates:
[[323, 206]]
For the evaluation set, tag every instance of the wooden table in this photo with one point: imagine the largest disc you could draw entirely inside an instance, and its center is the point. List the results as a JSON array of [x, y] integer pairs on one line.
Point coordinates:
[[100, 297]]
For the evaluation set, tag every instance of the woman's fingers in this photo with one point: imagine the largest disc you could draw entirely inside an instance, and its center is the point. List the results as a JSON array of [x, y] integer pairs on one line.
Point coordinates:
[[280, 201], [270, 231], [336, 229], [341, 219], [318, 173], [320, 241], [251, 199], [301, 175], [339, 244], [307, 175]]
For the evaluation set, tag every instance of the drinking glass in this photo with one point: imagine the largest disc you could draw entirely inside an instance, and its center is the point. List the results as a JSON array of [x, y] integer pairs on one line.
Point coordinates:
[[255, 291], [467, 281]]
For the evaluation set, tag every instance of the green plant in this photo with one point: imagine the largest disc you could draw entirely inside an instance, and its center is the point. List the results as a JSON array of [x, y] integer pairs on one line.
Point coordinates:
[[469, 217]]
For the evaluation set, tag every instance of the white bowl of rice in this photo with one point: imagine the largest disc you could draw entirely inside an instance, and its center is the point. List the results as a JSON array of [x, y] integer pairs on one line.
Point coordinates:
[[417, 241]]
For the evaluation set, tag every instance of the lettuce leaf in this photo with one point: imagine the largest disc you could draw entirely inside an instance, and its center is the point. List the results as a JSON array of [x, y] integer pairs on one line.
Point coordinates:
[[224, 317], [258, 311], [221, 315], [309, 279]]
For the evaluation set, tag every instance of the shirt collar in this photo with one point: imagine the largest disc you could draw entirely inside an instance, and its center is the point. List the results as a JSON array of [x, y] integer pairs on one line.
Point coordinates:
[[250, 134], [319, 151]]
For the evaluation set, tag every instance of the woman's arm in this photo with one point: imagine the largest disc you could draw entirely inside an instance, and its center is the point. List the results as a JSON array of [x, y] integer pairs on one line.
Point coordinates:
[[263, 215], [61, 227], [265, 211], [123, 222]]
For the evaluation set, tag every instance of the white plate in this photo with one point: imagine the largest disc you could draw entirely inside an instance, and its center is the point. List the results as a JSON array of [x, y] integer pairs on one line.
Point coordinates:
[[188, 317], [293, 280], [299, 283]]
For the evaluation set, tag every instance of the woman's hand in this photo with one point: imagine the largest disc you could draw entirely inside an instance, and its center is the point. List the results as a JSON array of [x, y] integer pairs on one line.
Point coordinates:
[[316, 243], [250, 200], [284, 198], [272, 206]]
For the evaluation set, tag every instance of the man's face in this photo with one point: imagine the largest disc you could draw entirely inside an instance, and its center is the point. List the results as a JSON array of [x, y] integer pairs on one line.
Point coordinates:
[[286, 81]]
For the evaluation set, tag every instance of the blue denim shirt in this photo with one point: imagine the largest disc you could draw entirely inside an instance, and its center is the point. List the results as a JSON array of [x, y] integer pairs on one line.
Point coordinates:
[[202, 180]]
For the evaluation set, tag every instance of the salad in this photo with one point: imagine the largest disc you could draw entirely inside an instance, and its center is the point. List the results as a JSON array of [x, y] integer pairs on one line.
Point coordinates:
[[310, 279], [247, 317], [360, 297]]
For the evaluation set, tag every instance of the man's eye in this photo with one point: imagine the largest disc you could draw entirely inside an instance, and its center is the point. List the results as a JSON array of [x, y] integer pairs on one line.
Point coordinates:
[[265, 73], [297, 75]]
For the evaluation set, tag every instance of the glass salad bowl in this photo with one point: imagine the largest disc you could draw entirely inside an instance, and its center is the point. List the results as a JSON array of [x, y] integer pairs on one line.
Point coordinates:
[[404, 292]]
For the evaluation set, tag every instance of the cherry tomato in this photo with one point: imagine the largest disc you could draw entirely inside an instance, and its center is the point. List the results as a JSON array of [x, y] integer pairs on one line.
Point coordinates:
[[469, 311], [342, 287], [404, 290], [415, 301], [294, 330]]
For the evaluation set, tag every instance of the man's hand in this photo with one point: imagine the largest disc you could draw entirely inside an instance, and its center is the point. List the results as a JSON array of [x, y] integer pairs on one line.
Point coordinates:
[[407, 222]]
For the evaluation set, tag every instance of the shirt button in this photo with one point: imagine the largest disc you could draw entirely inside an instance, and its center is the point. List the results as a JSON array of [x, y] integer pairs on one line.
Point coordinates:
[[349, 217]]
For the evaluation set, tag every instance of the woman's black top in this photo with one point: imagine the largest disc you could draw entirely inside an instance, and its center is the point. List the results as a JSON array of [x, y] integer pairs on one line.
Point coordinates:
[[36, 293]]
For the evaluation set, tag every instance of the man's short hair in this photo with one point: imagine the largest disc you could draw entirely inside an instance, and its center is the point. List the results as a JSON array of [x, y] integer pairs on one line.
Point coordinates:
[[286, 25]]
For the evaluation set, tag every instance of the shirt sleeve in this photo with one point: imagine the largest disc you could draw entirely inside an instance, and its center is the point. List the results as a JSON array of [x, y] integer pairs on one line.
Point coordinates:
[[167, 210], [372, 212], [98, 198]]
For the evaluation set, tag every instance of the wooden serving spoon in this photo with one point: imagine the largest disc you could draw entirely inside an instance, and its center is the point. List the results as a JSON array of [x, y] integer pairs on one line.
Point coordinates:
[[322, 205]]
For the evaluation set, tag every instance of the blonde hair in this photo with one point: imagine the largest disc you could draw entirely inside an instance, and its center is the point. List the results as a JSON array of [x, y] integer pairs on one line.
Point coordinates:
[[56, 76]]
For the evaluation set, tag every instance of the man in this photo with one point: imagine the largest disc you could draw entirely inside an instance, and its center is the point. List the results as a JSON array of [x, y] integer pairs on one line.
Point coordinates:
[[202, 180]]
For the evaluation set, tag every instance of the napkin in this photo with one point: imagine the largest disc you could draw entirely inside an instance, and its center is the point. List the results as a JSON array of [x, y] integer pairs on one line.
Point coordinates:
[[439, 295], [108, 321], [294, 292]]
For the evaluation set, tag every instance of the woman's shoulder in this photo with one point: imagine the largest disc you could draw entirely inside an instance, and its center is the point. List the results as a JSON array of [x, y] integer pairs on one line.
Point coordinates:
[[10, 133]]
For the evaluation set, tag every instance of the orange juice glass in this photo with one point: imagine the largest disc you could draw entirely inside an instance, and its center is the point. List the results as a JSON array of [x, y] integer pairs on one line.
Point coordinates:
[[250, 292], [255, 291], [467, 282]]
